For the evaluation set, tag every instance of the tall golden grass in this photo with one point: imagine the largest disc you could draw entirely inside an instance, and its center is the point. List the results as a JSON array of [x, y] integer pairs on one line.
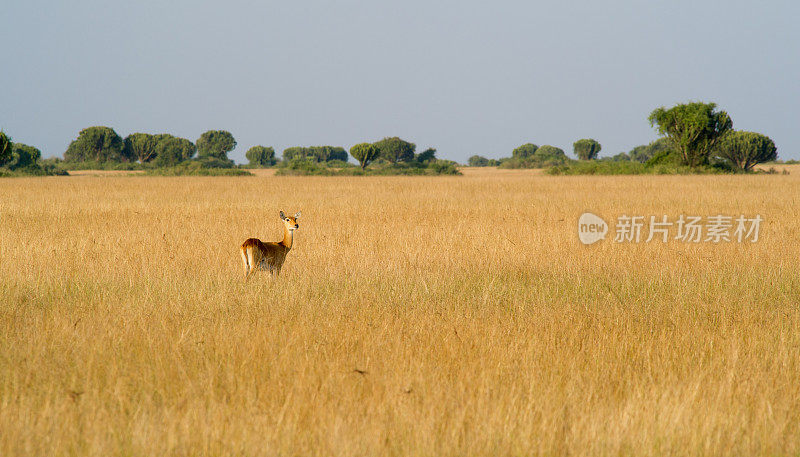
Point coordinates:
[[415, 316]]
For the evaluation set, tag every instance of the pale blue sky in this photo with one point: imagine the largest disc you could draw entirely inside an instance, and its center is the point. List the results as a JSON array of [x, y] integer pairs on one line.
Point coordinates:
[[467, 77]]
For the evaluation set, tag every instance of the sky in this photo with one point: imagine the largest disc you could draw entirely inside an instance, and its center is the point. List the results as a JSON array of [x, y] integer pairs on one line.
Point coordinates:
[[463, 76]]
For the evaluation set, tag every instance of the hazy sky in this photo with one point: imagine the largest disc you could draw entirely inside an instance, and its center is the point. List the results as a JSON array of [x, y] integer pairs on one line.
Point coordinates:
[[466, 77]]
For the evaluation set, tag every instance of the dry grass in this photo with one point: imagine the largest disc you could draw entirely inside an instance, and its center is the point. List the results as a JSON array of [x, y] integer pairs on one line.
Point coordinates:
[[480, 325]]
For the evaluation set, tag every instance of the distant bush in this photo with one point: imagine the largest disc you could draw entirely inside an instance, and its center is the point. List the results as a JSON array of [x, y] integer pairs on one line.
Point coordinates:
[[303, 166], [92, 165], [18, 159], [315, 153], [198, 168], [609, 167], [214, 162], [646, 152], [51, 167], [307, 167], [542, 157], [621, 157], [525, 151], [442, 167], [428, 155], [35, 170], [480, 161], [599, 167]]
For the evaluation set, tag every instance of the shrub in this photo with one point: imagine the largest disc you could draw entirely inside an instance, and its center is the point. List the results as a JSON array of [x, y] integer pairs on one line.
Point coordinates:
[[196, 168], [480, 161], [316, 153], [261, 156], [545, 156], [525, 151]]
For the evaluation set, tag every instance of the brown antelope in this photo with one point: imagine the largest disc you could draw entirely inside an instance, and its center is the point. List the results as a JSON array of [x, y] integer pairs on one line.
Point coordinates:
[[269, 256]]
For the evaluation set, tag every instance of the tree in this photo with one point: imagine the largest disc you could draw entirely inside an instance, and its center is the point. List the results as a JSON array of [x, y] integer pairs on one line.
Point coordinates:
[[524, 151], [101, 144], [365, 153], [6, 147], [23, 156], [215, 143], [141, 146], [481, 161], [645, 152], [478, 161], [261, 156], [693, 129], [586, 149], [549, 155], [746, 149], [172, 150], [395, 150], [530, 156], [315, 153], [426, 156], [621, 157]]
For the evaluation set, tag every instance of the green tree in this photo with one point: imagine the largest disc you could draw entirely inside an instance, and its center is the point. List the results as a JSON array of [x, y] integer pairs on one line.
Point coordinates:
[[6, 147], [365, 153], [261, 156], [524, 151], [586, 149], [101, 144], [745, 149], [395, 150], [645, 152], [530, 156], [549, 155], [621, 157], [172, 150], [693, 129], [141, 146], [426, 156], [638, 154], [478, 161], [23, 156], [215, 143], [315, 153]]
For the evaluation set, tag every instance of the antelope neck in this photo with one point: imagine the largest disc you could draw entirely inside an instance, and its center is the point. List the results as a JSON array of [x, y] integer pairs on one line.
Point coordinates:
[[288, 237]]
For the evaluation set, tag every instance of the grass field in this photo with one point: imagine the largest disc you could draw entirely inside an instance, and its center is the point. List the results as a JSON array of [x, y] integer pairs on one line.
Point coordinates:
[[433, 316]]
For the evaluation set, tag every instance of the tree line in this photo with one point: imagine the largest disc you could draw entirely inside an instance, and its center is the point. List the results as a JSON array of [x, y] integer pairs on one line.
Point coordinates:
[[101, 145], [22, 159], [694, 135]]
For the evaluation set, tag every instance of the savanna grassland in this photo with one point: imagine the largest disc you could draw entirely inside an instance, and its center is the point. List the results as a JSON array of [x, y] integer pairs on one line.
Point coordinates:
[[433, 316]]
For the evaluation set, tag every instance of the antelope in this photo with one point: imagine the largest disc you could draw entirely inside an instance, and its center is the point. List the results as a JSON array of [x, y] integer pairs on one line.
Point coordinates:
[[269, 256]]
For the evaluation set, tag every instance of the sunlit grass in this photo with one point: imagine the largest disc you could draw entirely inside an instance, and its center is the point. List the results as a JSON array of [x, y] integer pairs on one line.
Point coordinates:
[[415, 316]]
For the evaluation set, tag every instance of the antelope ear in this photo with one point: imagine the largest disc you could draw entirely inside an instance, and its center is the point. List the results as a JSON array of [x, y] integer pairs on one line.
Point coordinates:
[[283, 216], [297, 215]]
